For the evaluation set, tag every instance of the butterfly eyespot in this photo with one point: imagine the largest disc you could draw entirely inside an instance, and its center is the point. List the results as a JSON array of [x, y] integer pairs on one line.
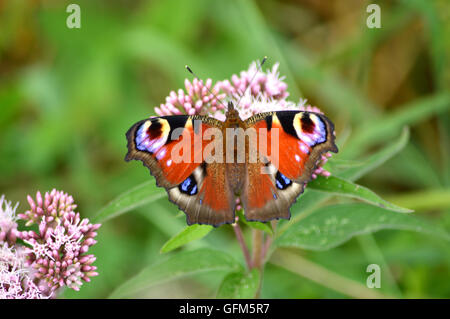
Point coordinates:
[[155, 130], [307, 124], [152, 135], [189, 186], [282, 181], [310, 128]]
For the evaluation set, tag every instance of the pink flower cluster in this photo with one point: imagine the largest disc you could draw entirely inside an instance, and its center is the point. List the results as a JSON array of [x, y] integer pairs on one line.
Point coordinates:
[[15, 279], [54, 256], [196, 100], [8, 220], [252, 92], [269, 84]]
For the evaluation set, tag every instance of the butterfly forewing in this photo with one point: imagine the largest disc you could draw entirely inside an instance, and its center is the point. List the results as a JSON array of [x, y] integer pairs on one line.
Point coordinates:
[[293, 154], [172, 147]]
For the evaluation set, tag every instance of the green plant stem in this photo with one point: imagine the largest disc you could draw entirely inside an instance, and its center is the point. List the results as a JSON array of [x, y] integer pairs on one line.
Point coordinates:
[[268, 242], [241, 241], [257, 249], [258, 255], [264, 254], [260, 251], [373, 253], [317, 273], [266, 247]]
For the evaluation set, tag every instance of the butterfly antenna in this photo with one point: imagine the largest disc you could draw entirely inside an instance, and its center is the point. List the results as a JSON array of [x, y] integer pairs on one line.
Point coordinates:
[[249, 83], [192, 72]]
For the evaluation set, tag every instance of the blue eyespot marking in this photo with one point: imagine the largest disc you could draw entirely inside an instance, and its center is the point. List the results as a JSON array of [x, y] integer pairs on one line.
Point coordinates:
[[313, 133], [189, 186], [186, 184], [279, 185], [281, 181]]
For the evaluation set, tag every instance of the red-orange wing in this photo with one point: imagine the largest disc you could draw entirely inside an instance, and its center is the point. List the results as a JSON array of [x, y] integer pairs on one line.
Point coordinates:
[[172, 148], [292, 153]]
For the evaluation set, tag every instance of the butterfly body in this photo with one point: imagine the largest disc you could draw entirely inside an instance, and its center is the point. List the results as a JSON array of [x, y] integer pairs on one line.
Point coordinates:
[[206, 165]]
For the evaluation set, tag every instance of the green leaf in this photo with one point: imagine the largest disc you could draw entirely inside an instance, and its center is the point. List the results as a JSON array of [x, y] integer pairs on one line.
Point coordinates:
[[436, 30], [188, 234], [136, 197], [266, 227], [433, 199], [331, 226], [175, 266], [376, 159], [240, 285], [326, 277], [310, 198], [337, 165], [369, 134], [165, 220], [414, 168], [339, 186], [331, 90]]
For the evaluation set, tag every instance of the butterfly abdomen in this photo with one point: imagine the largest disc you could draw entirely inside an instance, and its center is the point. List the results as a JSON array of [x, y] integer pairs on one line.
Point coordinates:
[[236, 173]]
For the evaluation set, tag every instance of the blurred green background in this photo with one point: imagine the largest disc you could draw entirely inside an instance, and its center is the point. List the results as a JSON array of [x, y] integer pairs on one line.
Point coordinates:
[[67, 97]]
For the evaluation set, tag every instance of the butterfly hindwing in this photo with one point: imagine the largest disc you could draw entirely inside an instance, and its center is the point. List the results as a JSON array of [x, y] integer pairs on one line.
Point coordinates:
[[169, 147], [268, 193], [205, 197]]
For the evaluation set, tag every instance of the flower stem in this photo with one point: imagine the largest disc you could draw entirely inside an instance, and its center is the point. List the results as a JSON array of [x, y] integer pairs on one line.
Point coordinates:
[[268, 242], [240, 238], [257, 250]]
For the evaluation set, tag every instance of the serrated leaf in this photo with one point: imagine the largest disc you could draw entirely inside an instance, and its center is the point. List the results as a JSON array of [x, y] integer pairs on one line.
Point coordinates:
[[339, 186], [240, 285], [331, 226], [266, 227], [140, 195], [188, 234], [175, 266]]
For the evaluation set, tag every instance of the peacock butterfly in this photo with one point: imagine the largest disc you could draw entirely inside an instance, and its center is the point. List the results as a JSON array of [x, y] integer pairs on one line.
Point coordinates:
[[204, 171]]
